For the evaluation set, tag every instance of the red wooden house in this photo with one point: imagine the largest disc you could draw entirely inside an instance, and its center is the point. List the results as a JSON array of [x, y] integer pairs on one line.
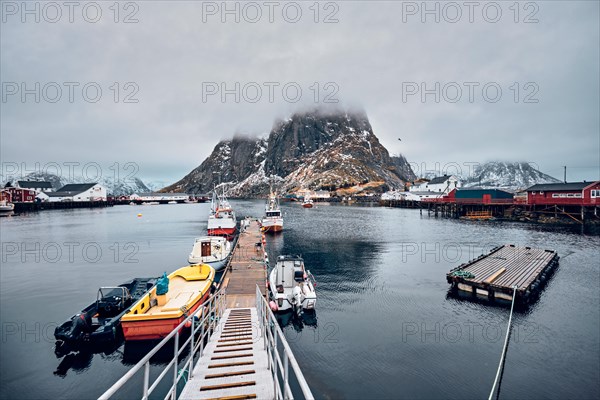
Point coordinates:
[[573, 193], [18, 195]]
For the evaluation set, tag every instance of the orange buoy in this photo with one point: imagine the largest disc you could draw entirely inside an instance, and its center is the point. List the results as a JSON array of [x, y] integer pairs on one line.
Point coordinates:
[[139, 215]]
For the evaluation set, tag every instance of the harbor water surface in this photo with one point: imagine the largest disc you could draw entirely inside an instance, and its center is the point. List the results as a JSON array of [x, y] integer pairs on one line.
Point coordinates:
[[385, 325]]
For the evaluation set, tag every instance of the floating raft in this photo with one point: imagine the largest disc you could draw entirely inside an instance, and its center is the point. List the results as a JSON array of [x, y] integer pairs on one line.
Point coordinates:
[[494, 275]]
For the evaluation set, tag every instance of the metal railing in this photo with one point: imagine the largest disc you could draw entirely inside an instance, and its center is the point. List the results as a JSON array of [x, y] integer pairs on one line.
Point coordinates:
[[208, 314], [273, 339]]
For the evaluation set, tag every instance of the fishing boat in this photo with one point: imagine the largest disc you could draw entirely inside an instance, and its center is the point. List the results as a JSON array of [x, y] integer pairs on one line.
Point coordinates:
[[99, 323], [221, 221], [273, 219], [211, 250], [6, 206], [291, 286], [307, 202], [155, 315]]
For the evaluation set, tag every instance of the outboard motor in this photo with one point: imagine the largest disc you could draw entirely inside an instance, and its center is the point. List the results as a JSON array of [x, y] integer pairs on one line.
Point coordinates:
[[297, 298], [82, 325]]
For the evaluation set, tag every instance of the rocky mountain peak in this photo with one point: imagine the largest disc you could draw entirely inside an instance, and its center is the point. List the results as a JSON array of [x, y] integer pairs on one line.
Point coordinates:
[[313, 149]]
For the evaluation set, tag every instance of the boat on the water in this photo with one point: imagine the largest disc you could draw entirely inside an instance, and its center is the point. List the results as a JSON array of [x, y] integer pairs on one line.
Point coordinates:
[[6, 206], [155, 315], [99, 323], [273, 219], [211, 250], [221, 221], [307, 202], [291, 286]]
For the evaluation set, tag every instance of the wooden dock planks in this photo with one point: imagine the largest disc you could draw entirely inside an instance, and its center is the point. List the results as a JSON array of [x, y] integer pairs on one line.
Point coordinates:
[[246, 268], [505, 267]]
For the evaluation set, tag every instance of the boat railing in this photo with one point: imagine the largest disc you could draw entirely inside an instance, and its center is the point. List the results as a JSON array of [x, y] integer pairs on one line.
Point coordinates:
[[203, 323], [279, 353]]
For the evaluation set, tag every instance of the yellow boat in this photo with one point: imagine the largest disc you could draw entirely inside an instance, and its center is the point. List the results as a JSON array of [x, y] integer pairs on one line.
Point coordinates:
[[155, 316]]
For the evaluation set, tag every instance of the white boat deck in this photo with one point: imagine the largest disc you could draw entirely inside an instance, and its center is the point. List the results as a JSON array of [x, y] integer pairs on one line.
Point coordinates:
[[234, 363]]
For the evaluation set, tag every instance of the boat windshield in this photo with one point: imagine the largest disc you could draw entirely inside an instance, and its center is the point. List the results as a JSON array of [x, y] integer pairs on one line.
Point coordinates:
[[273, 213], [107, 292]]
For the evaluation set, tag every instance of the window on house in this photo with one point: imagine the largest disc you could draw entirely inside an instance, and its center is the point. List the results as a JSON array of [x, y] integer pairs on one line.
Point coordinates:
[[555, 195]]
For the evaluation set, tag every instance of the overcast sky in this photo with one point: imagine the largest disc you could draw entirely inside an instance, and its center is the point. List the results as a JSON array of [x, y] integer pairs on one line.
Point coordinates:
[[379, 55]]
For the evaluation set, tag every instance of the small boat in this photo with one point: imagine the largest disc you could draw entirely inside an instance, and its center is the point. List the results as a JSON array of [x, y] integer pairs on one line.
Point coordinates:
[[221, 221], [99, 323], [273, 219], [154, 316], [172, 202], [307, 202], [211, 250], [291, 286], [6, 206], [150, 203]]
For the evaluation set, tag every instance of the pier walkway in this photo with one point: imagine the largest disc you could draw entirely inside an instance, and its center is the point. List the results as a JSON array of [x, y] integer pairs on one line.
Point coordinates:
[[247, 267], [233, 347]]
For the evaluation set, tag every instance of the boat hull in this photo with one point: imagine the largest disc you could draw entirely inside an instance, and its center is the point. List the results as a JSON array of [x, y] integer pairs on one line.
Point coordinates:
[[156, 328], [307, 205], [272, 228], [221, 231]]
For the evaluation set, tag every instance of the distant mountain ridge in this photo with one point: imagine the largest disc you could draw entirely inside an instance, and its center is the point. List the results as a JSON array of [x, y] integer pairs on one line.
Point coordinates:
[[508, 175], [310, 150], [116, 187]]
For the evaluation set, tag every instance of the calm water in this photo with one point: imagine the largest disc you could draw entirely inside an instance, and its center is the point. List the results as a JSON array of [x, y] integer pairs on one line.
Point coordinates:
[[385, 326]]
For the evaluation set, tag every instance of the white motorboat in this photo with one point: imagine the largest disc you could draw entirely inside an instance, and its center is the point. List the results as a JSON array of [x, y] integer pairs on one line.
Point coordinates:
[[6, 206], [273, 219], [221, 221], [211, 250], [291, 286], [307, 202]]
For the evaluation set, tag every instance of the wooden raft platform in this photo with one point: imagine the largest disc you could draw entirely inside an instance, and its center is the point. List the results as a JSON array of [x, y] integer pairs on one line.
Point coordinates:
[[246, 268], [494, 275]]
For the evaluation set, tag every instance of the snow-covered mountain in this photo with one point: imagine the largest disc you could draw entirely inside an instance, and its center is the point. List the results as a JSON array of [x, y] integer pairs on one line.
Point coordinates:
[[508, 175], [310, 150], [116, 187]]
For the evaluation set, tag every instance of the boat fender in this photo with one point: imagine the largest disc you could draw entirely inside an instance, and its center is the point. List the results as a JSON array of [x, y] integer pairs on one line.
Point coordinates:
[[273, 306]]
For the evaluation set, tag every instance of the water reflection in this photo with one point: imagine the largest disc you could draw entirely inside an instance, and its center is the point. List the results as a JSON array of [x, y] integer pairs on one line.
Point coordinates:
[[80, 359], [297, 322]]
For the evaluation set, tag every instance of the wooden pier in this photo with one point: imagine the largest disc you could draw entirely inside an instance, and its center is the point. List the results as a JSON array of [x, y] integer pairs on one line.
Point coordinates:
[[247, 268], [236, 348], [505, 270]]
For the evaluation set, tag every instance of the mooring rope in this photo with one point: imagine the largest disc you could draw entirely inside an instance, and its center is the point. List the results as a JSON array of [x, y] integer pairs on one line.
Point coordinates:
[[505, 344]]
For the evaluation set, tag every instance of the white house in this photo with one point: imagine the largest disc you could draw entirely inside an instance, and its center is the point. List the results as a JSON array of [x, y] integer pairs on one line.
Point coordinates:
[[76, 192], [439, 185]]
